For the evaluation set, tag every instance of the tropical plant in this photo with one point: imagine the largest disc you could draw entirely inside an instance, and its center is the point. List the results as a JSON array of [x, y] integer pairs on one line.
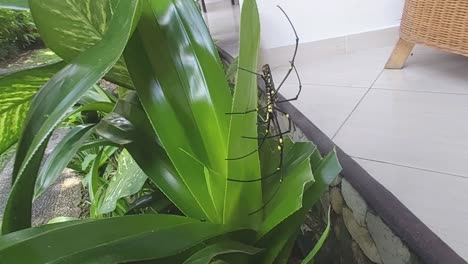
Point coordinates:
[[171, 120], [17, 32]]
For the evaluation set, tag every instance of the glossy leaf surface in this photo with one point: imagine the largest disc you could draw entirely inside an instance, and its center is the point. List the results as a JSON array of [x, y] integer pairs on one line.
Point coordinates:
[[285, 196], [128, 180], [206, 255], [280, 238], [153, 160], [244, 198], [112, 240], [50, 105], [16, 91], [59, 158], [69, 27], [180, 82]]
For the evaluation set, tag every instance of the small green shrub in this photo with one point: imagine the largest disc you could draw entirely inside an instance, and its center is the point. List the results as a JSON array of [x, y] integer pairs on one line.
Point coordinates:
[[17, 32]]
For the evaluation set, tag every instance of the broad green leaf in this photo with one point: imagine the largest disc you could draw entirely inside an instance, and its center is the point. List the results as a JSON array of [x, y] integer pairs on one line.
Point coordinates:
[[87, 160], [15, 4], [285, 197], [128, 180], [244, 198], [111, 240], [207, 254], [18, 209], [105, 107], [16, 91], [26, 234], [309, 259], [324, 174], [69, 27], [62, 219], [95, 94], [95, 186], [279, 238], [96, 143], [179, 79], [154, 160], [154, 202], [50, 105], [62, 154]]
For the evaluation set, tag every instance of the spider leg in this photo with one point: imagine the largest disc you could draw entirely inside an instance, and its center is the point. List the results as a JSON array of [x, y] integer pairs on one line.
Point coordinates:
[[268, 201], [247, 70], [259, 147], [298, 92], [279, 169], [292, 61], [280, 148], [247, 111]]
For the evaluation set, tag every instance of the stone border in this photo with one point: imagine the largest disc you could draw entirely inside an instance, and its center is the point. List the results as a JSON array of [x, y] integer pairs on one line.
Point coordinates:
[[386, 211], [368, 238]]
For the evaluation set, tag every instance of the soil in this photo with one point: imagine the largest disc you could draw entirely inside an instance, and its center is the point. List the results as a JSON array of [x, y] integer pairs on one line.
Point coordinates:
[[26, 59]]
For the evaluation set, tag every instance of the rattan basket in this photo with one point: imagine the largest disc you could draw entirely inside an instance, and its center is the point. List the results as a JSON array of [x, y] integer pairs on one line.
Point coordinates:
[[438, 23]]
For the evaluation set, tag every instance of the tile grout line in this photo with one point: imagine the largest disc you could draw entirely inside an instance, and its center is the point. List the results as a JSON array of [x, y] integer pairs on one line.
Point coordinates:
[[329, 85], [411, 167], [416, 91], [357, 105]]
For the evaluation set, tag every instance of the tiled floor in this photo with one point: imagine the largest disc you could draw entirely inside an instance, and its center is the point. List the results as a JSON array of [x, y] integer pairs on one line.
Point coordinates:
[[408, 128], [222, 19]]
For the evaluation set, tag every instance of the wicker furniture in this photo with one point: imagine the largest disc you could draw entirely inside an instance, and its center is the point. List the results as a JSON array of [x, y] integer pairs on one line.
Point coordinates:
[[441, 24]]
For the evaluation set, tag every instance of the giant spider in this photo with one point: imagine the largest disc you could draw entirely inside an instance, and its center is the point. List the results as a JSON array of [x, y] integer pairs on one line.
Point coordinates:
[[270, 120]]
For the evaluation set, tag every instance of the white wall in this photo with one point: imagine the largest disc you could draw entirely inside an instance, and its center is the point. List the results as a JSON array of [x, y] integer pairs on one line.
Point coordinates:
[[322, 19]]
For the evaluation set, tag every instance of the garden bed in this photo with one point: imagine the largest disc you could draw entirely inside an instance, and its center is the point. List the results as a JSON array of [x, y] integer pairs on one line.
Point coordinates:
[[369, 224]]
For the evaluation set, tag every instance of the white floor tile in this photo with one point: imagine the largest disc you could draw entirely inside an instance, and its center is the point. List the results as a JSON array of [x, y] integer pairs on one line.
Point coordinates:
[[437, 199], [373, 39], [428, 70], [326, 106], [359, 69], [222, 19], [422, 130]]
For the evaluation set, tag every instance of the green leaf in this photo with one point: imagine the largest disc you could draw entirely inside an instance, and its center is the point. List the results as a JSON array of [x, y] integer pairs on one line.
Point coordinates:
[[207, 254], [62, 219], [286, 196], [70, 27], [17, 213], [279, 238], [95, 94], [112, 240], [51, 104], [154, 160], [95, 186], [93, 106], [16, 91], [309, 259], [328, 168], [87, 160], [62, 154], [180, 81], [244, 198], [128, 180], [15, 4]]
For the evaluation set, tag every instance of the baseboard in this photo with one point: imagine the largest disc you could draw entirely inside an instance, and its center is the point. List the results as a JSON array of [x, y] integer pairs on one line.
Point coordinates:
[[345, 44]]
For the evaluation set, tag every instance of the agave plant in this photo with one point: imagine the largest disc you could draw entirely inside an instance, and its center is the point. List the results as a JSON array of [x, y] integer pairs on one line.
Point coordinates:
[[172, 120]]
